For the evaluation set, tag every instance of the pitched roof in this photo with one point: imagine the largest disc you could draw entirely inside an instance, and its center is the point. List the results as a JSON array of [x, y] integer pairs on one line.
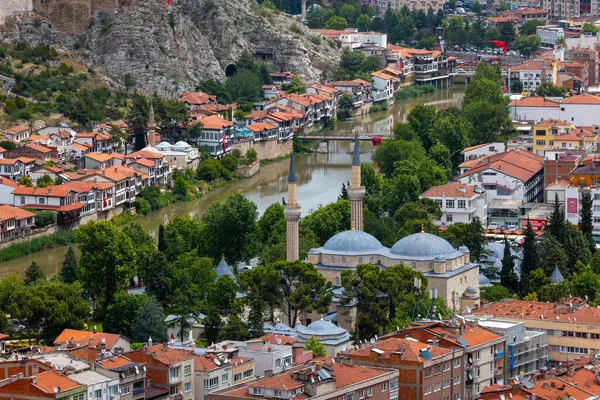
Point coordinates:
[[261, 126], [84, 338], [452, 189], [8, 182], [145, 162], [116, 362], [48, 380], [86, 186], [9, 212], [278, 339], [535, 102], [12, 161], [412, 349], [99, 157], [17, 129], [50, 191], [584, 379], [166, 356], [196, 98], [148, 154], [582, 99], [552, 123], [284, 382], [214, 122], [520, 309], [518, 163], [474, 336]]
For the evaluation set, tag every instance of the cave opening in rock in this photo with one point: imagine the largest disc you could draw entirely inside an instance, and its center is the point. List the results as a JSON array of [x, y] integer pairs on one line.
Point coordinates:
[[230, 70]]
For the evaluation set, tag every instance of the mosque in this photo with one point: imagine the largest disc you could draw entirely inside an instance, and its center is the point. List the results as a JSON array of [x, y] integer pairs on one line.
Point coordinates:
[[451, 274]]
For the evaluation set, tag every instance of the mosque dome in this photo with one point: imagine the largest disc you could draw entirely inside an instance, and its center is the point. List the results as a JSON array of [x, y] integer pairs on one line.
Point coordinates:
[[163, 145], [423, 246], [470, 289], [464, 249], [484, 280], [353, 242], [182, 145], [150, 148], [439, 259], [321, 328]]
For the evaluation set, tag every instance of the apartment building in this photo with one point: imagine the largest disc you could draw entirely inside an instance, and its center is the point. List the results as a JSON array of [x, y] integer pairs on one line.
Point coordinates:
[[458, 203], [99, 386], [213, 373], [95, 196], [549, 35], [170, 370], [151, 162], [131, 375], [533, 73], [15, 222], [98, 142], [268, 358], [323, 379], [127, 181], [426, 371], [43, 386], [17, 133], [558, 167], [361, 90], [545, 132], [525, 350], [482, 150], [585, 56], [571, 325]]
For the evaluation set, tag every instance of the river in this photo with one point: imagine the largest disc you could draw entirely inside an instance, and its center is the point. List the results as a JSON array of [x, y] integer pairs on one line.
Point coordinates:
[[319, 176]]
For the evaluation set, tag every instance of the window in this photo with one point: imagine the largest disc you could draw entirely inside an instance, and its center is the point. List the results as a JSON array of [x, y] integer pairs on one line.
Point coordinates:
[[394, 398], [237, 377], [187, 387], [446, 383], [187, 370], [462, 204], [351, 396], [113, 390], [540, 142], [224, 378], [248, 373], [361, 394], [449, 218], [439, 203], [211, 383], [41, 200], [22, 200], [369, 392], [427, 390], [383, 387], [456, 362], [79, 396], [456, 396], [477, 372], [278, 393], [98, 394], [477, 355], [449, 203], [491, 367], [446, 365], [258, 391], [456, 380], [393, 384], [278, 363], [174, 373], [125, 389], [427, 372], [437, 387]]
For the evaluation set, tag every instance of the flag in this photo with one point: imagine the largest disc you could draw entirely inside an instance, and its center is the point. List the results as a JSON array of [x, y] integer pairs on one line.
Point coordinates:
[[572, 206], [499, 44], [224, 144], [169, 2]]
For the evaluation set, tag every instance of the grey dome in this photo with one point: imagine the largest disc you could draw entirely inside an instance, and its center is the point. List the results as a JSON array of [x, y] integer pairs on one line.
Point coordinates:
[[439, 259], [163, 144], [464, 249], [484, 280], [224, 269], [422, 246], [470, 289], [321, 328], [181, 143], [353, 242]]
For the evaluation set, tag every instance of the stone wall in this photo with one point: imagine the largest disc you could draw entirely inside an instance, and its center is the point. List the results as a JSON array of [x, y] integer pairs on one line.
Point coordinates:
[[11, 7], [266, 150], [37, 233], [249, 170]]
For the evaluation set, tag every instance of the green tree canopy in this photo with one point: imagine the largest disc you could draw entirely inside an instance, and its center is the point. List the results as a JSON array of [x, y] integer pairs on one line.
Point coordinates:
[[68, 272], [34, 273], [150, 323], [317, 348], [122, 314]]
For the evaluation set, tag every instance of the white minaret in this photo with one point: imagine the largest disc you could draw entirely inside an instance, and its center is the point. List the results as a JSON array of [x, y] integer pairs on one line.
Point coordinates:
[[151, 128], [292, 214], [356, 192]]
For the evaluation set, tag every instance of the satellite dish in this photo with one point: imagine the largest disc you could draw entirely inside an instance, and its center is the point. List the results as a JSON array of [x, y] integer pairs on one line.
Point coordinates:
[[312, 379], [376, 338], [144, 368], [344, 349], [56, 389], [468, 310], [103, 340], [217, 362], [241, 360], [372, 340], [137, 370]]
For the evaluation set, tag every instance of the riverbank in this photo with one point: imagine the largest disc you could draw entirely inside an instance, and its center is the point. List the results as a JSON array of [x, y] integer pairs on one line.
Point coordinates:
[[319, 178]]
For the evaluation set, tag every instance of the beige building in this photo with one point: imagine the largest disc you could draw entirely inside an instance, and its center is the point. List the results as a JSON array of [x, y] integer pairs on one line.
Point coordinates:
[[212, 373], [572, 327], [450, 272]]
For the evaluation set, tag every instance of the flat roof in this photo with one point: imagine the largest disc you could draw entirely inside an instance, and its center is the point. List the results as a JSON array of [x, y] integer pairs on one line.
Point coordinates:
[[486, 323], [91, 378]]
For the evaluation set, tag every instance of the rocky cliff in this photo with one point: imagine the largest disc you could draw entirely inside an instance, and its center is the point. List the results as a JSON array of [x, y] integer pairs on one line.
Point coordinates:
[[168, 49]]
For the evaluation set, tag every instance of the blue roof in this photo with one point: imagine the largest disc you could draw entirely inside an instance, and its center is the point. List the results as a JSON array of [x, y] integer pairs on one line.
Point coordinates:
[[425, 354], [320, 328], [423, 246], [355, 153], [557, 276], [224, 269], [463, 342], [353, 242]]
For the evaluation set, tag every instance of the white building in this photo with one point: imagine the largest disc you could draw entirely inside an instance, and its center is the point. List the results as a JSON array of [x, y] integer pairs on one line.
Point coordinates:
[[549, 34], [483, 150], [532, 74], [266, 356], [579, 110], [100, 387], [179, 155], [458, 203]]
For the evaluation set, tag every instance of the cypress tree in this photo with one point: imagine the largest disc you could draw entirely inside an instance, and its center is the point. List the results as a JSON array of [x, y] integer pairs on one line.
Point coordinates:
[[162, 246], [34, 273], [586, 218], [68, 272], [556, 221], [529, 257], [508, 278]]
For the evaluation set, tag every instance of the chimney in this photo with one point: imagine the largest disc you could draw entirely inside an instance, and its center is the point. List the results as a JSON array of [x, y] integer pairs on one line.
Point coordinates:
[[165, 347], [33, 379]]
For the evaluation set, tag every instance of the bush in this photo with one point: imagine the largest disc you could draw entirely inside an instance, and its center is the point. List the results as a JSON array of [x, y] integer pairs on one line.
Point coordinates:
[[414, 91], [210, 170], [315, 39], [251, 154], [229, 162], [51, 241], [156, 198], [44, 218], [142, 206]]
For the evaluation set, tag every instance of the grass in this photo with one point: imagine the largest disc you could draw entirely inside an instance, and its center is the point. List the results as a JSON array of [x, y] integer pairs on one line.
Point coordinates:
[[414, 91], [51, 241]]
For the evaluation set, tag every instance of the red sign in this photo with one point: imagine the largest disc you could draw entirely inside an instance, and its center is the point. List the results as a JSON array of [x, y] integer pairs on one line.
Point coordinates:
[[536, 224], [572, 206]]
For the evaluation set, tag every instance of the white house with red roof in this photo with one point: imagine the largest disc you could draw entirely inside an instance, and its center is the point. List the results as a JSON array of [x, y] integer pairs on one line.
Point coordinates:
[[150, 162], [15, 222], [194, 100], [458, 203], [17, 133], [99, 142], [217, 135], [482, 150], [13, 168], [57, 174], [58, 199], [95, 196]]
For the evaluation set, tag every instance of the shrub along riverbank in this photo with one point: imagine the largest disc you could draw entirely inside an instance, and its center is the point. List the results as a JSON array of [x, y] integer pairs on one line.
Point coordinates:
[[18, 250], [415, 91]]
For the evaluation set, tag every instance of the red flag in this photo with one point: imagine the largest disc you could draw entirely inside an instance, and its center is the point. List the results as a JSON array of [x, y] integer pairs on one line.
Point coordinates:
[[224, 144], [172, 336], [499, 43], [169, 2]]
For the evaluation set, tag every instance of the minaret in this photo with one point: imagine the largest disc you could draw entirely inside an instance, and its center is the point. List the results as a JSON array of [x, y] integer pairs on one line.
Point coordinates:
[[303, 3], [356, 192], [292, 213], [151, 128]]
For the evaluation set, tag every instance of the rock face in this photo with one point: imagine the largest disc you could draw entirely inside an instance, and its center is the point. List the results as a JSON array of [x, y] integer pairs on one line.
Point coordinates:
[[168, 49]]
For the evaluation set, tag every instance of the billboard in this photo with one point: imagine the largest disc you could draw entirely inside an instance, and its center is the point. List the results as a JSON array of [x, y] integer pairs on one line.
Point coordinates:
[[536, 224]]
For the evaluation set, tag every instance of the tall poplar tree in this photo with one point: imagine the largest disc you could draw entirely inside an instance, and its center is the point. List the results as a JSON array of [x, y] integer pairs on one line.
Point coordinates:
[[529, 262], [556, 221], [508, 278], [585, 215]]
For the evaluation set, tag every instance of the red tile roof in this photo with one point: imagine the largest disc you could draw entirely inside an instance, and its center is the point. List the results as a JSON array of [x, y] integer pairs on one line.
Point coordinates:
[[195, 98], [84, 338], [116, 362], [278, 339], [50, 191], [519, 164], [145, 162], [17, 129], [452, 189], [535, 102], [412, 349], [474, 336], [261, 126], [582, 99], [148, 154], [10, 212], [284, 382], [166, 356], [48, 380], [12, 161], [522, 310], [214, 122]]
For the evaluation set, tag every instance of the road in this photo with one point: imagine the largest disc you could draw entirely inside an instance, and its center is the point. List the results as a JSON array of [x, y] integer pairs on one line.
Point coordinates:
[[471, 56]]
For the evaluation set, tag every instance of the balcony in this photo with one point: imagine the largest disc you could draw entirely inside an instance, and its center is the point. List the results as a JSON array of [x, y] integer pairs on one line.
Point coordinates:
[[498, 354], [499, 372], [138, 391]]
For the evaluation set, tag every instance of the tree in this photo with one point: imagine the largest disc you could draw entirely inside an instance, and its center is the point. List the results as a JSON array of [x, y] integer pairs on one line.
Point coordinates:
[[537, 280], [422, 118], [507, 32], [495, 293], [317, 348], [349, 13], [551, 254], [548, 89], [8, 145], [475, 240], [244, 86], [390, 152], [345, 107], [159, 279], [122, 313], [108, 259], [328, 220], [586, 216], [44, 181], [161, 238], [25, 181], [137, 120], [529, 262], [34, 273], [295, 86], [150, 323], [261, 285], [302, 289], [585, 283], [143, 245], [589, 28], [454, 133], [530, 27], [68, 272], [556, 221], [181, 236], [180, 187], [230, 229], [337, 23], [508, 277], [235, 329], [343, 193], [527, 45], [576, 247], [363, 23]]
